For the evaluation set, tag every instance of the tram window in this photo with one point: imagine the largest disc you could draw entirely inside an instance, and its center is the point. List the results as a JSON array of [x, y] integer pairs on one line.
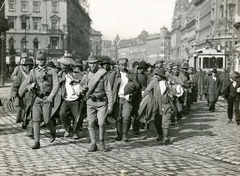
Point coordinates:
[[206, 62], [219, 62], [212, 62]]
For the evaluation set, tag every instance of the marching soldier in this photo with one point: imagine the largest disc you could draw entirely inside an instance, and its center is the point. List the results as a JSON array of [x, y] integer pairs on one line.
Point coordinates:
[[98, 94], [43, 82], [24, 105], [20, 68], [125, 87]]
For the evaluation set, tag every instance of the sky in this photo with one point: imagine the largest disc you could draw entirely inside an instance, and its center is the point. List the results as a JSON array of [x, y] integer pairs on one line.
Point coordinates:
[[128, 18]]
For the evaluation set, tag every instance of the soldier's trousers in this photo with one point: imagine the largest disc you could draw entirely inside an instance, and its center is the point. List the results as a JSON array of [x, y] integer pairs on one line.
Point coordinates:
[[41, 109], [123, 114], [99, 113]]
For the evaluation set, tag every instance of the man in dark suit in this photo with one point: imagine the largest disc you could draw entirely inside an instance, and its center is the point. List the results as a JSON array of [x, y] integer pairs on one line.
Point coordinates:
[[232, 94], [213, 89]]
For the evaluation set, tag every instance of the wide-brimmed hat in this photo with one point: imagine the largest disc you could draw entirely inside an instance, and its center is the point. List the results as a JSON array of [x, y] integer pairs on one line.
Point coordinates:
[[28, 61], [178, 90], [160, 72], [135, 63], [92, 59], [234, 76], [105, 60], [143, 64], [64, 61]]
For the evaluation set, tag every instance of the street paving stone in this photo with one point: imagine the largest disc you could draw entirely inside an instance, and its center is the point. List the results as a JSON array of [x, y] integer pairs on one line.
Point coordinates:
[[203, 144]]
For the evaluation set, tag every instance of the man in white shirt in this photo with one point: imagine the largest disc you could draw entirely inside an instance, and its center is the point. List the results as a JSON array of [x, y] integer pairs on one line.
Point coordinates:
[[71, 100]]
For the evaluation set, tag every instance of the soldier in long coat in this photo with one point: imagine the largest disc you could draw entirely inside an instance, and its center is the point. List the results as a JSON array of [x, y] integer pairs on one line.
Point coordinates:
[[24, 97], [125, 87], [213, 89], [200, 83]]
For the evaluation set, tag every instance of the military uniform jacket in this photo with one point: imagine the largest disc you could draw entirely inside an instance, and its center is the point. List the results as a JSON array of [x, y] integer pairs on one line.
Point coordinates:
[[46, 80], [101, 87]]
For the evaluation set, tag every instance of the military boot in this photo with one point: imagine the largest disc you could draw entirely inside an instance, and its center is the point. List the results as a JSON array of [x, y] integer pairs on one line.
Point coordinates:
[[125, 128], [166, 139], [119, 131]]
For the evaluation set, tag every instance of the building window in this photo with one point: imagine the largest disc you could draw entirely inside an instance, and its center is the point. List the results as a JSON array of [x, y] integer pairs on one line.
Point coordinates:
[[36, 6], [54, 42], [231, 10], [24, 6], [36, 23], [35, 43], [54, 7], [11, 43], [11, 23], [24, 23], [221, 11], [12, 6], [23, 43], [55, 24]]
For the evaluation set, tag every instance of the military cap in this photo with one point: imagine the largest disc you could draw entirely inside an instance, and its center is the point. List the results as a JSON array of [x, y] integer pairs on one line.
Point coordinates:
[[160, 72], [24, 54], [64, 61], [41, 56], [142, 64], [185, 66], [175, 66], [135, 63], [79, 62], [168, 66], [92, 59], [122, 61], [28, 61]]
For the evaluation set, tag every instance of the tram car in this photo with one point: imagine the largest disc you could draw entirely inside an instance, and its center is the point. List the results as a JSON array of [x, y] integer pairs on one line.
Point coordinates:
[[209, 58]]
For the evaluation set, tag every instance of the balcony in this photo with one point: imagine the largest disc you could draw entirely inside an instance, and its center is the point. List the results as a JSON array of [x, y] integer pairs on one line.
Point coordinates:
[[55, 31]]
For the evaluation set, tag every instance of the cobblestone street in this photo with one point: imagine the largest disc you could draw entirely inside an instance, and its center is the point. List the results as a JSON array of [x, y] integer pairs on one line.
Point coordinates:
[[203, 144]]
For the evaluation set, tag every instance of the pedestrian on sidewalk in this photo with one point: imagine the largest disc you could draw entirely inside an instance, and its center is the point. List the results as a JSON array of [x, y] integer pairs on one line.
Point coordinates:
[[232, 94], [23, 98], [43, 82], [213, 89]]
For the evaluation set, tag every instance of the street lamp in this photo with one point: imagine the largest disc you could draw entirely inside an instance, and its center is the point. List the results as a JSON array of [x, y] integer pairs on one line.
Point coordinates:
[[2, 59]]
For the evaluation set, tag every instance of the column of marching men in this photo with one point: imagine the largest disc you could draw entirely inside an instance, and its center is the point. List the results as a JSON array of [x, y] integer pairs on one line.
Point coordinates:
[[67, 90]]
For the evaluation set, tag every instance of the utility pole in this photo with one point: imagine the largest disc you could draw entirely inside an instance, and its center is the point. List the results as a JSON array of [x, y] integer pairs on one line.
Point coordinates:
[[2, 60]]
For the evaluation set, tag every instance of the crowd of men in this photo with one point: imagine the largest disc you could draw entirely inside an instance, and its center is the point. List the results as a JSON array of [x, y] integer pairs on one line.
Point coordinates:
[[67, 90]]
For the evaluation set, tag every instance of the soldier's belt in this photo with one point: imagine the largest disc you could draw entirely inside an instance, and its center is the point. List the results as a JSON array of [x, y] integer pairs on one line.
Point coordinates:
[[101, 97], [42, 95]]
